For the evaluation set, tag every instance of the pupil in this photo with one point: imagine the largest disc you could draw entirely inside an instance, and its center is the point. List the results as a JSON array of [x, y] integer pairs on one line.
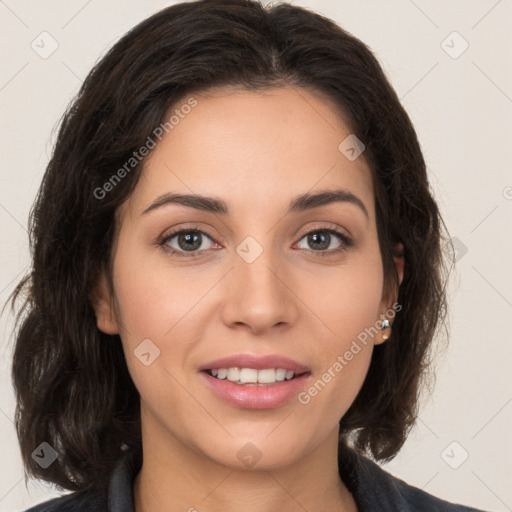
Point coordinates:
[[195, 239], [313, 238]]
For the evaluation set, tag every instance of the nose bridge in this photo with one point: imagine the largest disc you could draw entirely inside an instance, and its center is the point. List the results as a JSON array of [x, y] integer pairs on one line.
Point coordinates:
[[257, 268], [257, 294]]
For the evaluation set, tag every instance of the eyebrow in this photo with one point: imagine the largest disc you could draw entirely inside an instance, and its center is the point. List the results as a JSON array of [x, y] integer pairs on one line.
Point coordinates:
[[298, 204]]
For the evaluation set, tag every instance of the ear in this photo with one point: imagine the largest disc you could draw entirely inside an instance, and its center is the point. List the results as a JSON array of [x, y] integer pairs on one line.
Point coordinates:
[[389, 299], [103, 305]]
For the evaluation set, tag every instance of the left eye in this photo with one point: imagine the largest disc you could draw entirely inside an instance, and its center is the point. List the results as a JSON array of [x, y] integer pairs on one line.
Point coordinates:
[[320, 240]]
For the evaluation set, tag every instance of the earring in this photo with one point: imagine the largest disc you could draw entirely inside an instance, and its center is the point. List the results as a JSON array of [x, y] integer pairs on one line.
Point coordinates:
[[386, 325]]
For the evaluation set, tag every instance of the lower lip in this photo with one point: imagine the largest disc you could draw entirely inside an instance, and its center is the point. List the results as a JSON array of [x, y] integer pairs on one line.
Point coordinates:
[[253, 396]]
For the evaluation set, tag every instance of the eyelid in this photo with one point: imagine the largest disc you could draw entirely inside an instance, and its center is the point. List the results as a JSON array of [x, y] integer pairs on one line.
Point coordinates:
[[319, 226]]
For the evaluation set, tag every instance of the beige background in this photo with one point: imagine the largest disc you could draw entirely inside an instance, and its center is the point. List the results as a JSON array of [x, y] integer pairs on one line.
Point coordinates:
[[462, 110]]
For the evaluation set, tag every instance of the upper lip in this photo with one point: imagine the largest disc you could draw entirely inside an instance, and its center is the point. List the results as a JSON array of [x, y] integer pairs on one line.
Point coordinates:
[[256, 362]]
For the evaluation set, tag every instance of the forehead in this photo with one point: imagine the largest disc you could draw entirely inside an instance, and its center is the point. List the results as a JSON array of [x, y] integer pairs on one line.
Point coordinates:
[[255, 150]]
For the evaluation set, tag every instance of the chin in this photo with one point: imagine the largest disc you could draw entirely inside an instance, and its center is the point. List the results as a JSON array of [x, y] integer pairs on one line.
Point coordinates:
[[259, 452]]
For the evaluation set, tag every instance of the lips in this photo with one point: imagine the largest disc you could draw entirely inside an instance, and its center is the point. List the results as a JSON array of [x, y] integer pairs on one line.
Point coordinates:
[[251, 395]]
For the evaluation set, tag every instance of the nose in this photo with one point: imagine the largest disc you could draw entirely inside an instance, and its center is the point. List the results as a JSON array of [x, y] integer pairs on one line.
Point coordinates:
[[258, 297]]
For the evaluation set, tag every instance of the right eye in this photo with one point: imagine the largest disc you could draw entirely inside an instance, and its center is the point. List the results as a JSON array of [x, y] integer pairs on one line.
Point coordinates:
[[189, 242]]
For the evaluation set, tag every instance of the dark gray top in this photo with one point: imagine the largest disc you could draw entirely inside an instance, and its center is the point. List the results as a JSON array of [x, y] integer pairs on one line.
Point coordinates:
[[373, 488]]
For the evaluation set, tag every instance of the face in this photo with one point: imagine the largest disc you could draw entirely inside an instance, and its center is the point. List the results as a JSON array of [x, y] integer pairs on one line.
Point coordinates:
[[262, 278]]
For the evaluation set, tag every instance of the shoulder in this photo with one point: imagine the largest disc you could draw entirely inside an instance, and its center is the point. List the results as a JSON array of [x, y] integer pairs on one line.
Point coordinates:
[[374, 488], [91, 500], [112, 494], [380, 486]]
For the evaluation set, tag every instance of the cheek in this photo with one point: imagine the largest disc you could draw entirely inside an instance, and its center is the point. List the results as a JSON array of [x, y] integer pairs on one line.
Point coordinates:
[[153, 297], [153, 304], [348, 300], [349, 305], [167, 305]]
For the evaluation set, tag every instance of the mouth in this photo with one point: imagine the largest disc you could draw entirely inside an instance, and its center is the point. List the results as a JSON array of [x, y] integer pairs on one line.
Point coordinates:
[[251, 381], [254, 376]]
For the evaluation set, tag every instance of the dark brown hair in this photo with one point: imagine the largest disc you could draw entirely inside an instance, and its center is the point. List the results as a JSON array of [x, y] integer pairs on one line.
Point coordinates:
[[71, 381]]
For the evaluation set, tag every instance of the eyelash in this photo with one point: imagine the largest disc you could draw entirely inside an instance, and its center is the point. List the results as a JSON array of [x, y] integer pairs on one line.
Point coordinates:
[[347, 242]]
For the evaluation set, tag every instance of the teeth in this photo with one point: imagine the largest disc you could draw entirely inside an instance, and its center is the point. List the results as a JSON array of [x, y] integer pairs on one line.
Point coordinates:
[[233, 374], [280, 374], [252, 376], [267, 376], [247, 375]]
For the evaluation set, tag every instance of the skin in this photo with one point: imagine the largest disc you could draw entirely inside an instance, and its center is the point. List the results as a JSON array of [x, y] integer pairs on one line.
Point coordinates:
[[256, 151]]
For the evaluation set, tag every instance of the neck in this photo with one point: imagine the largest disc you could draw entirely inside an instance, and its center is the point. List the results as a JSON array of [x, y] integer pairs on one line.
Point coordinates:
[[175, 478]]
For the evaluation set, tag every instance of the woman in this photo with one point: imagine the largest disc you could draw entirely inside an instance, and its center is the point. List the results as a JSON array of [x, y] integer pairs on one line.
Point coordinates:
[[237, 274]]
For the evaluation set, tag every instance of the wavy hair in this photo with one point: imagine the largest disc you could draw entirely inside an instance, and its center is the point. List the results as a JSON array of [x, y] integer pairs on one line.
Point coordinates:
[[72, 385]]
